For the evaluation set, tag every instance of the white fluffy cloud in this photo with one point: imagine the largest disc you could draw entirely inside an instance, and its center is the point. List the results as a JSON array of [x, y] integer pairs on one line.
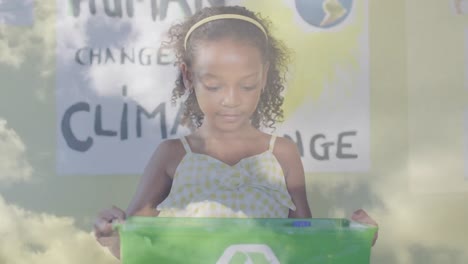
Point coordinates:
[[14, 166], [17, 42], [28, 237], [413, 228]]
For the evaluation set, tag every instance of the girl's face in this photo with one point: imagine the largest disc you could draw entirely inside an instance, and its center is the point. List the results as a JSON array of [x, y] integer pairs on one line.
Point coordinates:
[[228, 77]]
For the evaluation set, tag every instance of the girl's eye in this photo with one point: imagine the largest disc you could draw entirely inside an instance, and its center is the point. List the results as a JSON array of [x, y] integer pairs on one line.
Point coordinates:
[[212, 88], [249, 88]]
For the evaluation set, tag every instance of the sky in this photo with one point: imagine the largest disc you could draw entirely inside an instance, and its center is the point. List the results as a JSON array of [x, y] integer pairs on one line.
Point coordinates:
[[415, 189]]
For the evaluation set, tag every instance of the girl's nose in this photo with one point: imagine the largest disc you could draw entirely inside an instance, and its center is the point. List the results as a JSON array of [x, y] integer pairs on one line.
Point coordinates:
[[231, 98]]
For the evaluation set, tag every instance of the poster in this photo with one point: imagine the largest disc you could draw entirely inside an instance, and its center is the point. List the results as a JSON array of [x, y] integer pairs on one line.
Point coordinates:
[[327, 98], [114, 82]]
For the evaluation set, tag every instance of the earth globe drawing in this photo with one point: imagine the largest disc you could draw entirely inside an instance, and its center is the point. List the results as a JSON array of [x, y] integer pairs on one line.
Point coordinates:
[[324, 13]]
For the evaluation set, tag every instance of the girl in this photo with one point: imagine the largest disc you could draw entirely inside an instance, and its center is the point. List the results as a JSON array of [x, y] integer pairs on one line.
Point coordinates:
[[231, 77]]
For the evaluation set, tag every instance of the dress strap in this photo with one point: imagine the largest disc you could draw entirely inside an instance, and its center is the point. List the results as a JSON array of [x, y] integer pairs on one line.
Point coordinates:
[[185, 144], [272, 143]]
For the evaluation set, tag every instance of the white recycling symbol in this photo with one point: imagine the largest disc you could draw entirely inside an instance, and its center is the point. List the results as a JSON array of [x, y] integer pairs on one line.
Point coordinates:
[[248, 254]]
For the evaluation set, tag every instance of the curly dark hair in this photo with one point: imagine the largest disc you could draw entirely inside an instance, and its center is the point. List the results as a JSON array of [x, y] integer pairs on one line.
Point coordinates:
[[273, 51]]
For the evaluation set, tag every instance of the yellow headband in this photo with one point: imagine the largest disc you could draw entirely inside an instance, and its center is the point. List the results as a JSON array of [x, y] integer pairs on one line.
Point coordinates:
[[223, 16]]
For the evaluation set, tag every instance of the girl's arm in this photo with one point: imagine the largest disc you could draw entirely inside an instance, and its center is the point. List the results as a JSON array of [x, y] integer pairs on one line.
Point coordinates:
[[153, 188], [288, 155], [156, 181], [290, 160]]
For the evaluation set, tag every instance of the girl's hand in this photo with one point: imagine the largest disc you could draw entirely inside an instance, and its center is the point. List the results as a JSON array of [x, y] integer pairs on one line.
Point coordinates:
[[362, 217], [104, 232], [103, 224]]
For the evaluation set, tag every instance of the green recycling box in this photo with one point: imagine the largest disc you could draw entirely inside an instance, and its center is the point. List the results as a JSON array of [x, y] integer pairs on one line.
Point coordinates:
[[244, 241]]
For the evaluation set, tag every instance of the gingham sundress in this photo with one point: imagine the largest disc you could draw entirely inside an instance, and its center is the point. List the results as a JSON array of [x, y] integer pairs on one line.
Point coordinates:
[[204, 186]]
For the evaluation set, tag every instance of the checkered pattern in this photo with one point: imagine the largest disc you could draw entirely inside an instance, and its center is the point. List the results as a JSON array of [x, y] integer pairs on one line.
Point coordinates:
[[204, 186]]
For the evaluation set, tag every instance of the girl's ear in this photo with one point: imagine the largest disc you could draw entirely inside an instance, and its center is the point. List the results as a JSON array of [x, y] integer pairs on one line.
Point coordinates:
[[186, 76]]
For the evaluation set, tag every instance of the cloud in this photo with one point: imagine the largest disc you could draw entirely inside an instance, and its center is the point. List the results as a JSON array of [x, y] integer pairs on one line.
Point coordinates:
[[14, 167], [39, 238], [16, 43], [422, 235], [16, 12], [413, 228], [138, 38]]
